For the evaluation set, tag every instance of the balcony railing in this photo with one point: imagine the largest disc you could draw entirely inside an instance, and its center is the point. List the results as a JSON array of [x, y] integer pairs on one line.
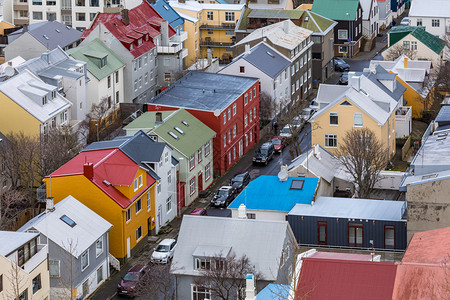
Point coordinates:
[[179, 38], [172, 49], [213, 43], [224, 26], [37, 259]]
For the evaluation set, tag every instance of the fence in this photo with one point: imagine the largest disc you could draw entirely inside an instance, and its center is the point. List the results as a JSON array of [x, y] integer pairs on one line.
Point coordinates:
[[405, 149]]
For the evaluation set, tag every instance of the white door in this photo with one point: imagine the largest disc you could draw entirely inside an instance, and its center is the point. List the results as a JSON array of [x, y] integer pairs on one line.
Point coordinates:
[[128, 247]]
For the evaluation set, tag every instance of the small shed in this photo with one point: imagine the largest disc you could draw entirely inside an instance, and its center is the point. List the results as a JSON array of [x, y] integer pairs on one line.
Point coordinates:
[[350, 222]]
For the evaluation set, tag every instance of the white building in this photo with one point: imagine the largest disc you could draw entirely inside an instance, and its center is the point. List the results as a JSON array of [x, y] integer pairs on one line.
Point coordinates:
[[371, 18], [433, 14]]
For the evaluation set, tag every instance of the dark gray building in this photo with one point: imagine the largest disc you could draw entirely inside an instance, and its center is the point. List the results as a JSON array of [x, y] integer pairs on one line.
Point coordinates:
[[350, 222]]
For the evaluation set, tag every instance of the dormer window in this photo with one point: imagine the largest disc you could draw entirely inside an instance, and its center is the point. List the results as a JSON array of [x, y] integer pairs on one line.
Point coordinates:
[[53, 94], [44, 100], [103, 62], [131, 47], [139, 42]]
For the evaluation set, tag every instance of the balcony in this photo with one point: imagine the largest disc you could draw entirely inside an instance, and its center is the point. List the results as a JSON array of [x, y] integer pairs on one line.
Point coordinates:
[[184, 53], [21, 21], [179, 38], [223, 26], [37, 259], [212, 43], [20, 6], [172, 49]]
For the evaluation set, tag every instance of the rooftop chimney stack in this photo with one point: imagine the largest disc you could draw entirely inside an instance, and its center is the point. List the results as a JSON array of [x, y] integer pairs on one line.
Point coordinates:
[[164, 33], [209, 56], [88, 170], [247, 48], [250, 293], [353, 80], [159, 117], [125, 18], [49, 204], [242, 211], [405, 62]]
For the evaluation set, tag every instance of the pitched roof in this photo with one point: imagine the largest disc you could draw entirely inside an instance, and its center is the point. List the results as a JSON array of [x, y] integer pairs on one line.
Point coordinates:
[[92, 53], [345, 279], [369, 209], [11, 240], [195, 133], [51, 34], [269, 193], [336, 9], [261, 241], [147, 120], [110, 165], [430, 8], [366, 8], [197, 6], [143, 20], [423, 272], [167, 12], [431, 41], [381, 74], [88, 229], [204, 91], [27, 91], [284, 34], [266, 59]]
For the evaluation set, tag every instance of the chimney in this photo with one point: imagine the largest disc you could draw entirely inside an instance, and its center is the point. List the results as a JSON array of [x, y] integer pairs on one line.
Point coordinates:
[[353, 80], [286, 26], [159, 117], [88, 170], [247, 48], [181, 1], [209, 56], [49, 204], [125, 18], [10, 63], [405, 62], [250, 293], [242, 211], [164, 33]]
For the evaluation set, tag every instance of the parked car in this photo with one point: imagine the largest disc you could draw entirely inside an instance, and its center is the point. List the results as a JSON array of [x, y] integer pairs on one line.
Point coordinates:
[[199, 212], [264, 153], [314, 105], [128, 283], [340, 65], [405, 21], [223, 197], [239, 181], [306, 114], [279, 143], [343, 80], [164, 251]]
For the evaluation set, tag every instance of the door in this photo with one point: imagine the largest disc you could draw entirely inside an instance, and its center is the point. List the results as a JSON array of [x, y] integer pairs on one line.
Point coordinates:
[[355, 235], [200, 182], [241, 148], [128, 247], [322, 233]]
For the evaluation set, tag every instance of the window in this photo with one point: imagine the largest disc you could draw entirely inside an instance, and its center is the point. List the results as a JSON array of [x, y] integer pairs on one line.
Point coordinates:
[[357, 119], [37, 283], [389, 237], [199, 155], [24, 295], [109, 81], [207, 171], [334, 118], [342, 34], [251, 115], [51, 16], [53, 268], [99, 247], [297, 184], [234, 109], [140, 62], [80, 16], [342, 49], [406, 45], [322, 233], [192, 186], [200, 293], [169, 176], [234, 130], [331, 140], [146, 78], [435, 23], [413, 45], [225, 140], [138, 206], [203, 264], [37, 15], [419, 22], [355, 235], [229, 113], [140, 180], [245, 120], [251, 216], [229, 16], [229, 136], [135, 84], [169, 204], [84, 260], [209, 15], [245, 99], [149, 201], [158, 187], [207, 148], [224, 117], [167, 76], [254, 91], [138, 233], [128, 215], [91, 16], [191, 162], [100, 274], [229, 32], [296, 66]]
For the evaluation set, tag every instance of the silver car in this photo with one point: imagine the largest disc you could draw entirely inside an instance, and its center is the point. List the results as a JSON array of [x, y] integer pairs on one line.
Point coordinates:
[[164, 251]]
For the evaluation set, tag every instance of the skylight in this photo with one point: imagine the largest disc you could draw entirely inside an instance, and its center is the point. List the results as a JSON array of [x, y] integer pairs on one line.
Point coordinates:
[[68, 221], [178, 129], [185, 123], [173, 135], [165, 6], [306, 19], [297, 184]]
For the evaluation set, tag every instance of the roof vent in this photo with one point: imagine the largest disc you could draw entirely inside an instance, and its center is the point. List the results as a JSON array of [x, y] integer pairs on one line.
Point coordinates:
[[45, 36], [57, 30], [429, 176], [68, 27], [306, 18], [179, 129], [270, 54], [107, 182], [173, 135], [185, 123], [165, 6]]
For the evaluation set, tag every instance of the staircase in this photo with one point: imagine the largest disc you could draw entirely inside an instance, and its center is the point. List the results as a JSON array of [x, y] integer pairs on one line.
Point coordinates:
[[114, 262]]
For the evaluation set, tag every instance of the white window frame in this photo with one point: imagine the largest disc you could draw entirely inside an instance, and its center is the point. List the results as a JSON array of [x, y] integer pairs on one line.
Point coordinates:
[[97, 254], [356, 116], [192, 186], [207, 147], [149, 201], [328, 138], [142, 233], [234, 109], [169, 204], [342, 34], [136, 205], [334, 114], [128, 215], [55, 262], [85, 253], [192, 162]]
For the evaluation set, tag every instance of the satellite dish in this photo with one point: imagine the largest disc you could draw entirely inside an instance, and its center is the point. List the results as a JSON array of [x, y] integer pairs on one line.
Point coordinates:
[[217, 112], [283, 174], [9, 71]]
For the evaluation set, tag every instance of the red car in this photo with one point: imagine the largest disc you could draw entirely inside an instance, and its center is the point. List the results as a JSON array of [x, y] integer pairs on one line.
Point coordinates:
[[279, 143], [199, 212], [128, 283]]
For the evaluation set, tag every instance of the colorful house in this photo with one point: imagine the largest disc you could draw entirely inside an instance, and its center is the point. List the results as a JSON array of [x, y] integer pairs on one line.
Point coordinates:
[[114, 187]]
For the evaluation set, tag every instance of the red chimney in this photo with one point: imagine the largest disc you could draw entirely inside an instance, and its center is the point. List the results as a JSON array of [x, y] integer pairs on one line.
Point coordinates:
[[88, 170]]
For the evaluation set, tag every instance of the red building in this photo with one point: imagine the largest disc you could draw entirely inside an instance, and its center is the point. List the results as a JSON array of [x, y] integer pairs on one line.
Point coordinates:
[[228, 104]]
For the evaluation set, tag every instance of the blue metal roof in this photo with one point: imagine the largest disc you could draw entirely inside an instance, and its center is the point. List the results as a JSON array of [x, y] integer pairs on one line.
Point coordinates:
[[269, 193], [168, 13], [443, 115], [267, 59], [274, 291]]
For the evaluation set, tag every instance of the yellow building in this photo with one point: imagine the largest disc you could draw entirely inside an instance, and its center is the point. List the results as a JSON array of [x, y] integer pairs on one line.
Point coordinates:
[[24, 270], [3, 39], [343, 108], [209, 26], [116, 188]]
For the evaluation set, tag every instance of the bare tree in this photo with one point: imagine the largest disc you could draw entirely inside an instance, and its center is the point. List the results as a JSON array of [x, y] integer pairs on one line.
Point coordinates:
[[17, 281], [267, 108], [12, 202], [363, 156], [157, 283], [395, 51], [225, 276]]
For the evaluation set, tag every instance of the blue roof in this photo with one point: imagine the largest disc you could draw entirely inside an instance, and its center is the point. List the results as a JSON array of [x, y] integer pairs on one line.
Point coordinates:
[[168, 13], [274, 291], [269, 193], [443, 115], [267, 59]]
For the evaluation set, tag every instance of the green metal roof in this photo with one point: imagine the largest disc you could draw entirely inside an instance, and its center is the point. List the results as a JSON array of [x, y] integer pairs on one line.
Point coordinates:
[[195, 133], [434, 43], [92, 53], [336, 9]]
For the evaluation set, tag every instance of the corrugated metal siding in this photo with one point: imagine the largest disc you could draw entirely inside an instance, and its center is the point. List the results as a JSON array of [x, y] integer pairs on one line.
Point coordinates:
[[306, 231]]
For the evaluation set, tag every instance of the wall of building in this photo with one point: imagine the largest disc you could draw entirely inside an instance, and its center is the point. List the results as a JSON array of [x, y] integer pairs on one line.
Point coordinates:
[[440, 31], [413, 99], [25, 46], [192, 43]]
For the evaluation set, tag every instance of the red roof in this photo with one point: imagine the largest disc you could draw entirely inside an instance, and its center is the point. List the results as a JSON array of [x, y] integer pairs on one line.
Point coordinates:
[[342, 256], [345, 279], [422, 273], [144, 19], [111, 167]]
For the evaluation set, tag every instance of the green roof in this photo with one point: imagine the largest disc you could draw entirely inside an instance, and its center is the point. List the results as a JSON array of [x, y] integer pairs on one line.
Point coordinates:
[[314, 22], [434, 43], [92, 53], [195, 133], [336, 9]]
